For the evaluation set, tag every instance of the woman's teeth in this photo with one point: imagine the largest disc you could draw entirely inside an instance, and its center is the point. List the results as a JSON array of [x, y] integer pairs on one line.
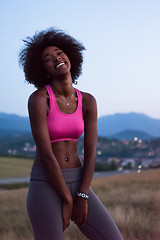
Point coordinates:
[[59, 65]]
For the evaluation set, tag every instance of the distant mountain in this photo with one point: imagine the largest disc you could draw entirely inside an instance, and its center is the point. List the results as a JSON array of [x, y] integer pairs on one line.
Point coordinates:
[[113, 124], [13, 124], [130, 134], [107, 125]]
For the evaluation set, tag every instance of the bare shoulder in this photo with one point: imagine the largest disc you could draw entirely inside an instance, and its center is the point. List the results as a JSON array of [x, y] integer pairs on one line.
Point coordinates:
[[88, 98], [39, 96], [89, 103]]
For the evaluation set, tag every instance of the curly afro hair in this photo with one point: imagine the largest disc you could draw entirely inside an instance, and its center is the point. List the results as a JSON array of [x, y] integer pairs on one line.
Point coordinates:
[[30, 55]]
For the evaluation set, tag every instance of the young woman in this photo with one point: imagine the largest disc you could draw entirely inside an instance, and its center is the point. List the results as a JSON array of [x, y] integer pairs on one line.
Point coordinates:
[[59, 189]]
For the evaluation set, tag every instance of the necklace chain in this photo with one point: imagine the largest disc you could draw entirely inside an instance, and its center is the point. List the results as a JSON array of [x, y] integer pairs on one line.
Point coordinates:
[[66, 102]]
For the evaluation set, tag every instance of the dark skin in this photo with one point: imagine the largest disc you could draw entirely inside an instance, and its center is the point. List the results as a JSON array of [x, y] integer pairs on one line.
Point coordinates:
[[51, 156]]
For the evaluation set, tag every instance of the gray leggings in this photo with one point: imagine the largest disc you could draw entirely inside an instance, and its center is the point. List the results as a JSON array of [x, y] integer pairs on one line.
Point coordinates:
[[44, 208]]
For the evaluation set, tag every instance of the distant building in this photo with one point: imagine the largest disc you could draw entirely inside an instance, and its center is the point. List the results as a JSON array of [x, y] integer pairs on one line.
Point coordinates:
[[146, 163], [128, 163]]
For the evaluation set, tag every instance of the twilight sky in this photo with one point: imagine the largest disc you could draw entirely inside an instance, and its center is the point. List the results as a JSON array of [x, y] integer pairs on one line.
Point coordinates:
[[122, 58]]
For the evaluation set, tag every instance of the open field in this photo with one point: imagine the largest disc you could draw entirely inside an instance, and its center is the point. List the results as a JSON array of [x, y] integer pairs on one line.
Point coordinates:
[[131, 199], [14, 167]]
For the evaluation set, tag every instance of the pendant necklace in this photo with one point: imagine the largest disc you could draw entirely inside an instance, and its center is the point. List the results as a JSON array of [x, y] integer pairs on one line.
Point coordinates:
[[66, 102]]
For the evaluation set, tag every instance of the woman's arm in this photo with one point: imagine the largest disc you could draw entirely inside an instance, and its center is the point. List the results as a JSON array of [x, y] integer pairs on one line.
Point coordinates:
[[80, 207], [37, 106], [90, 141]]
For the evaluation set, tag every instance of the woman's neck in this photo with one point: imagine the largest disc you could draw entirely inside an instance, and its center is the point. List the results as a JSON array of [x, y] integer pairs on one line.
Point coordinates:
[[62, 86]]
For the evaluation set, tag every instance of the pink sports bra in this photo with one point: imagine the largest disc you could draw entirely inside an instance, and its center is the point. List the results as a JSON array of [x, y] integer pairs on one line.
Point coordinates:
[[62, 126]]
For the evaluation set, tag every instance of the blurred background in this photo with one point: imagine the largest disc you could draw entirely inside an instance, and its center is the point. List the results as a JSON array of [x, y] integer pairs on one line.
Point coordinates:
[[122, 57], [121, 69]]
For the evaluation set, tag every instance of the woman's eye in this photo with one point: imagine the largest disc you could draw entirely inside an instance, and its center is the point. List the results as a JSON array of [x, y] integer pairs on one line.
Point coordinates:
[[59, 53], [48, 60]]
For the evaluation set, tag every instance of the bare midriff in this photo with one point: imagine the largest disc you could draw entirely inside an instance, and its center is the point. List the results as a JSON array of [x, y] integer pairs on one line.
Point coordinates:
[[65, 153]]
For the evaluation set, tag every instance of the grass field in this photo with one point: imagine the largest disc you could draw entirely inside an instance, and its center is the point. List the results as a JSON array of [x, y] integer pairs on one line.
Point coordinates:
[[14, 167], [131, 199]]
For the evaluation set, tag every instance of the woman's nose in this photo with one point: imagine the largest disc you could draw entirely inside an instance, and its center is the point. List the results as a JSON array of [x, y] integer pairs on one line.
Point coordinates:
[[58, 58]]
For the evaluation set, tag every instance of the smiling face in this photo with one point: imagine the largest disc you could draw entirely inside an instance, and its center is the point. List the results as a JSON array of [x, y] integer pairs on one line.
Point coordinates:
[[55, 61]]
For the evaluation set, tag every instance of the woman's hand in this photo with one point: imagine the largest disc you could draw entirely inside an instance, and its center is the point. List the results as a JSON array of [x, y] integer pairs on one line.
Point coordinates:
[[67, 211], [80, 210]]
